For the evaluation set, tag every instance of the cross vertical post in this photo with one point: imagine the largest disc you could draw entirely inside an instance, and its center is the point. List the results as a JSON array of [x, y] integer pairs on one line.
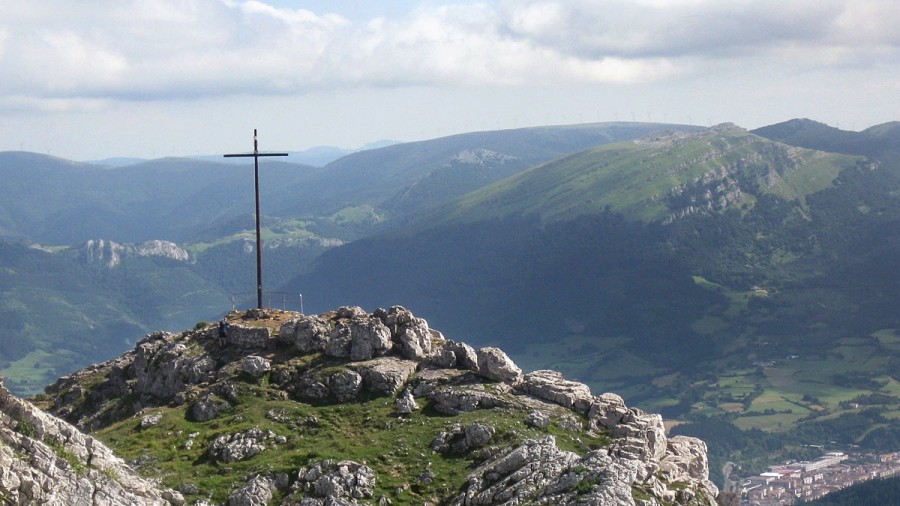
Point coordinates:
[[256, 154]]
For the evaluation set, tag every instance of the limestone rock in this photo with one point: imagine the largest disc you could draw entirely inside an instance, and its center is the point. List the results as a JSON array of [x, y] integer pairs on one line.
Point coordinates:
[[466, 356], [385, 375], [163, 367], [494, 364], [349, 312], [686, 461], [207, 408], [538, 419], [309, 388], [459, 440], [607, 411], [257, 492], [339, 341], [246, 337], [406, 403], [369, 338], [345, 385], [336, 482], [307, 333], [394, 316], [239, 446], [31, 472], [148, 421], [537, 472], [255, 365], [414, 339], [551, 386], [454, 400]]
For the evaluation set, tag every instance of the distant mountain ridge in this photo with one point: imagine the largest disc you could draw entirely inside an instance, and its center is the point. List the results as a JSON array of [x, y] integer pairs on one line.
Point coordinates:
[[203, 210], [664, 269], [877, 141]]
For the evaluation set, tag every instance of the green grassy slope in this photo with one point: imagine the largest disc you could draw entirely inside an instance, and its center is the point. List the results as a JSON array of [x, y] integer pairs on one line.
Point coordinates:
[[647, 179]]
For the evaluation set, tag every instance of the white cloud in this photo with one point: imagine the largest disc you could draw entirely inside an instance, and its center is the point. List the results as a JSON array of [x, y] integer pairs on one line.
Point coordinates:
[[160, 49]]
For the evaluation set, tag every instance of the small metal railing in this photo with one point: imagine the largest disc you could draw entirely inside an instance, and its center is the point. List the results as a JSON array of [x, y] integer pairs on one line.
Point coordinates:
[[276, 300]]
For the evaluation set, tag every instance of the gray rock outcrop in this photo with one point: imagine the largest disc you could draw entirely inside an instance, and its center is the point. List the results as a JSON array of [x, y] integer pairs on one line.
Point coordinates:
[[349, 356], [406, 403], [239, 446], [163, 366], [494, 364], [247, 337], [44, 460], [257, 492], [328, 482], [459, 440], [385, 375], [255, 365]]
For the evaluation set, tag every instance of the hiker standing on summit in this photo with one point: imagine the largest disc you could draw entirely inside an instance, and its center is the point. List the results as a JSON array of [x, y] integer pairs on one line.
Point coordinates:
[[223, 332]]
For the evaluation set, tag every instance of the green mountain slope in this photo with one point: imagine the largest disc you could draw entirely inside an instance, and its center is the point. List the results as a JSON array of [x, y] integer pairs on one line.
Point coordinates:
[[405, 179], [49, 302], [655, 179], [717, 275]]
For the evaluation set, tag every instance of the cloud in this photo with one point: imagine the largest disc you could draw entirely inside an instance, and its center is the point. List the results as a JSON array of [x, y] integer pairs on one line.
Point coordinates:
[[159, 49]]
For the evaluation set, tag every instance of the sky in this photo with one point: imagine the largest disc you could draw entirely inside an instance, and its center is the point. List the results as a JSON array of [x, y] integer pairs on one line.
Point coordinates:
[[88, 80]]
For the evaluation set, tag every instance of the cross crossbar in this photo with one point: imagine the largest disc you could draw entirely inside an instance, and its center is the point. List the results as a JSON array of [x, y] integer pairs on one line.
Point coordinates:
[[256, 154]]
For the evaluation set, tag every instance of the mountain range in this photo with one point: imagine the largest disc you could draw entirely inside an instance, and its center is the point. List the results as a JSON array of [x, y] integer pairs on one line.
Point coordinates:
[[54, 211], [742, 282]]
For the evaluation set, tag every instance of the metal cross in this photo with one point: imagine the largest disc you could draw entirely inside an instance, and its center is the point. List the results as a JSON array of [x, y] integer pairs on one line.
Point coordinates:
[[256, 154]]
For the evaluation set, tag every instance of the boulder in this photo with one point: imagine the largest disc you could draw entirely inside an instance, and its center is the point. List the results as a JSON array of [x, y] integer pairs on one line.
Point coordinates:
[[551, 386], [414, 339], [339, 341], [384, 375], [335, 482], [257, 492], [309, 388], [239, 446], [256, 366], [442, 358], [459, 440], [368, 338], [466, 356], [207, 408], [406, 403], [307, 333], [148, 421], [245, 337], [394, 316], [163, 367], [349, 312], [345, 385], [606, 411], [538, 419], [494, 364], [454, 400]]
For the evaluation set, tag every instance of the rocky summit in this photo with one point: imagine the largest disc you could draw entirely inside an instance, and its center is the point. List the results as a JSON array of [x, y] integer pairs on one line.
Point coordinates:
[[343, 408]]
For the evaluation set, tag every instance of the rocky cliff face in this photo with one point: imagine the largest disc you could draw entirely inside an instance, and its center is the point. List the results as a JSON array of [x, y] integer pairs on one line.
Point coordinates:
[[448, 423], [44, 460], [110, 253]]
